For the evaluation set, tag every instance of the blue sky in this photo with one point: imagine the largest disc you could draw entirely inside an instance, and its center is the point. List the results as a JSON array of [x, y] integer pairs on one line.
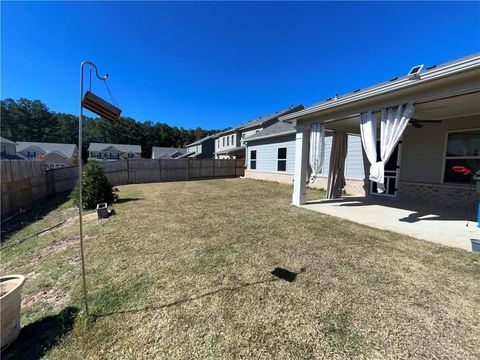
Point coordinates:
[[218, 64]]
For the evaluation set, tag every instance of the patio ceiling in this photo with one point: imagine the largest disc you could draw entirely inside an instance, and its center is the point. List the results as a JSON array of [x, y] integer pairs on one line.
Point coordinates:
[[448, 108]]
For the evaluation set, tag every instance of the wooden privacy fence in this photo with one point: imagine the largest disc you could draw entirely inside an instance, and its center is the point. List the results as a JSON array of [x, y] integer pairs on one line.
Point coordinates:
[[24, 182]]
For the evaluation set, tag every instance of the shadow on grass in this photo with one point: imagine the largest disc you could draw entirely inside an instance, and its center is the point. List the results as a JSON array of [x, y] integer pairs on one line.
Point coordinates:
[[37, 338], [37, 212], [125, 200], [182, 301]]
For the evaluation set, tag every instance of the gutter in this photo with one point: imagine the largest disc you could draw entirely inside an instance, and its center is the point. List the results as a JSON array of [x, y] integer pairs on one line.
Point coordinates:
[[384, 88]]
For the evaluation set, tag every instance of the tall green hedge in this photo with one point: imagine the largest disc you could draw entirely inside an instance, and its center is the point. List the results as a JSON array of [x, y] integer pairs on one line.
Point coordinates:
[[96, 187]]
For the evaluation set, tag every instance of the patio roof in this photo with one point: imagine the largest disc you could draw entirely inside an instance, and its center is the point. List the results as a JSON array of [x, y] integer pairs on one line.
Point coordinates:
[[431, 84]]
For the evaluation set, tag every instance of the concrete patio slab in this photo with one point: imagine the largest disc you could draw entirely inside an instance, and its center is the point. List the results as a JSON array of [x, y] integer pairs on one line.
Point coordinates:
[[440, 225]]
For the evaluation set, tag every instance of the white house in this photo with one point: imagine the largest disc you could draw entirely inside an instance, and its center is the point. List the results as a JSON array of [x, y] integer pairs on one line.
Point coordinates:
[[54, 155], [106, 152]]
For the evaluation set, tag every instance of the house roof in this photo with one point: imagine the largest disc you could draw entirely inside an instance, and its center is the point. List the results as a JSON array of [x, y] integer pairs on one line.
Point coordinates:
[[274, 130], [397, 83], [158, 151], [201, 140], [231, 150], [121, 147], [224, 132], [261, 120], [66, 150], [6, 141], [187, 154]]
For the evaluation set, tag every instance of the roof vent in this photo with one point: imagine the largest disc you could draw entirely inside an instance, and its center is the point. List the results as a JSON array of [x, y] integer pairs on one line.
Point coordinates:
[[415, 71]]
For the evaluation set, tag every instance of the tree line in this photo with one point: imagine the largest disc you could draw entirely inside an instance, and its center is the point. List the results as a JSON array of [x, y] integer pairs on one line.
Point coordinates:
[[31, 120]]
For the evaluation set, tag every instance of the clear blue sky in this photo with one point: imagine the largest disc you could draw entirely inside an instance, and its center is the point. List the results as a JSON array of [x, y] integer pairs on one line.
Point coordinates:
[[219, 64]]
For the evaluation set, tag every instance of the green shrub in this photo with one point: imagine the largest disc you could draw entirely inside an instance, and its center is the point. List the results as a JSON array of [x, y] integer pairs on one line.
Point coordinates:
[[96, 187]]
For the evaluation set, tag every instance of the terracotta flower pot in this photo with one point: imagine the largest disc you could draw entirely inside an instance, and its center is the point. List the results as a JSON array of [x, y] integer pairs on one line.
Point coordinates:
[[10, 301]]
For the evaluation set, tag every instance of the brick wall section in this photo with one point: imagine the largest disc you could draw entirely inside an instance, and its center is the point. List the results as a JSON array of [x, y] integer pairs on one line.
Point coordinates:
[[453, 196]]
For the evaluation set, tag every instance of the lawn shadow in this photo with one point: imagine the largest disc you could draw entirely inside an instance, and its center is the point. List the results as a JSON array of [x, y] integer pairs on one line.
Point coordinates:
[[37, 212], [286, 275], [182, 301], [125, 200], [37, 338]]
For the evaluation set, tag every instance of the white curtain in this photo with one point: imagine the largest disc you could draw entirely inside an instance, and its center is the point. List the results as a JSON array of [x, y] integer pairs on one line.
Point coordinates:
[[368, 131], [394, 122], [317, 150]]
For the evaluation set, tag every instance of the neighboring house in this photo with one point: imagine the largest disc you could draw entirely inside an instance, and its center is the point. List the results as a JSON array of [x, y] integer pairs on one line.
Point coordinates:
[[9, 150], [271, 156], [106, 152], [54, 155], [167, 152], [439, 147], [200, 149], [230, 144]]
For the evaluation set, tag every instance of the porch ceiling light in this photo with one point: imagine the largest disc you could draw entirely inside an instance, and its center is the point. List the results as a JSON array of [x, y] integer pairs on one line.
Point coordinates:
[[100, 107]]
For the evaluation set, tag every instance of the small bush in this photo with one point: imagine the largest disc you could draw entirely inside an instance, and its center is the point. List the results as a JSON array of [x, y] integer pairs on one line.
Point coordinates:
[[96, 187]]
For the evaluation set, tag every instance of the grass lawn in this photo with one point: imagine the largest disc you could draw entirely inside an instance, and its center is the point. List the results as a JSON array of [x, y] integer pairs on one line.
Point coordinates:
[[184, 271]]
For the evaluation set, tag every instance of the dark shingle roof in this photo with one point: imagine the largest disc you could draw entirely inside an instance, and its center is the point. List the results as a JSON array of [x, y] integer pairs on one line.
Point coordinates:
[[65, 149], [122, 147], [261, 120], [6, 141], [202, 140], [277, 129], [162, 152]]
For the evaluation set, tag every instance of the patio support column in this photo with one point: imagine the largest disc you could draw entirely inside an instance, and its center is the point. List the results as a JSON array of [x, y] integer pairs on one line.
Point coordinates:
[[301, 159]]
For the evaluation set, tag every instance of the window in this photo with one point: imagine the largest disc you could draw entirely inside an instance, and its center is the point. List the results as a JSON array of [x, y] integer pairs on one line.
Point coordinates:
[[130, 155], [223, 141], [282, 159], [462, 157], [253, 159], [228, 140], [232, 140]]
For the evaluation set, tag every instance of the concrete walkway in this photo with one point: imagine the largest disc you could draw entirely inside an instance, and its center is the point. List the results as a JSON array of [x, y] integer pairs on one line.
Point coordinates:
[[439, 225]]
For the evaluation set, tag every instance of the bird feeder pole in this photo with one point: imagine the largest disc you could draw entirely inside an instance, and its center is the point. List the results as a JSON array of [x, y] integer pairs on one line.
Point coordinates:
[[80, 202]]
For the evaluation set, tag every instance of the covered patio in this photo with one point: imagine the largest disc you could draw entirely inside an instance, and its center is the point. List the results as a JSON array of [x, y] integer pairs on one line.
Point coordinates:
[[435, 224], [422, 132]]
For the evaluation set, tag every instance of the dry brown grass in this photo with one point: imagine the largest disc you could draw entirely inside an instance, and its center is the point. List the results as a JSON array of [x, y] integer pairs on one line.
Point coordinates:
[[183, 271]]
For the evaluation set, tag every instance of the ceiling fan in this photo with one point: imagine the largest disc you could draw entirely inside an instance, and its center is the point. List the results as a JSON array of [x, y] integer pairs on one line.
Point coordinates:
[[417, 123]]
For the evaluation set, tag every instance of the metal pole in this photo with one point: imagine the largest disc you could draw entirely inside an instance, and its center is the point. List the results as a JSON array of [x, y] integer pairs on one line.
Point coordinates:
[[80, 173], [80, 185]]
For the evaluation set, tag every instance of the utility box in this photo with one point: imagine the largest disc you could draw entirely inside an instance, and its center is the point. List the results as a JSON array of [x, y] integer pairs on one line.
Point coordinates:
[[102, 211]]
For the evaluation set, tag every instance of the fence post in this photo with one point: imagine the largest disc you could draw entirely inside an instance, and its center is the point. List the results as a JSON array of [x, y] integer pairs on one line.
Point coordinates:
[[128, 171], [159, 169], [188, 169]]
